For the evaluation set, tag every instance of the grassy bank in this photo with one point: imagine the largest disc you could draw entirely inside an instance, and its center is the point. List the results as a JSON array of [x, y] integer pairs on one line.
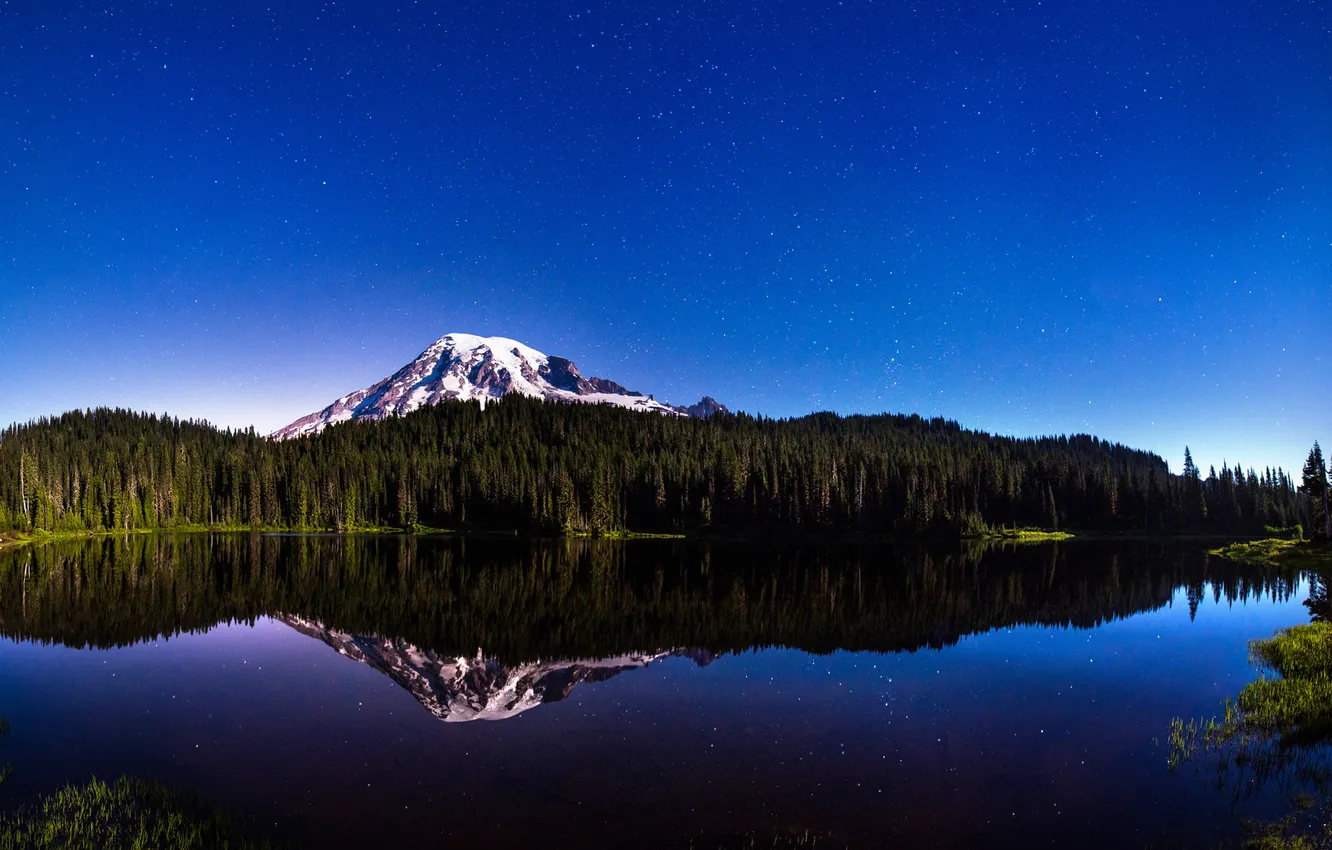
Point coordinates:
[[13, 538], [1272, 551], [16, 538], [129, 813], [1020, 535], [1299, 831], [1277, 731], [625, 535], [1276, 715]]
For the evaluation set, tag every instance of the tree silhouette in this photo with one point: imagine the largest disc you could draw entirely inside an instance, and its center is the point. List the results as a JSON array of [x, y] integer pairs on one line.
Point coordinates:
[[543, 468]]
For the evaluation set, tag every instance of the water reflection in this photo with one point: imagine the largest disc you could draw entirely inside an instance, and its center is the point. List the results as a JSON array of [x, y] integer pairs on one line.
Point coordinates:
[[458, 688], [992, 742], [528, 601]]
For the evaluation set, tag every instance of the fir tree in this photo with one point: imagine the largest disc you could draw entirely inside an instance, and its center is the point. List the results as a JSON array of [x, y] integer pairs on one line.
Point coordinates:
[[555, 468], [1314, 486]]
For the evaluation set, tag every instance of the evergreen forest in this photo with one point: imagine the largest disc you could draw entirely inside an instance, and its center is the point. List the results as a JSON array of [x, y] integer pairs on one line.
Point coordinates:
[[532, 467]]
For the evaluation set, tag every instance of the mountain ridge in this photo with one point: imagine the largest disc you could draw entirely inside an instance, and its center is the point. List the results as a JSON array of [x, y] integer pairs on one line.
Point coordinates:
[[471, 367]]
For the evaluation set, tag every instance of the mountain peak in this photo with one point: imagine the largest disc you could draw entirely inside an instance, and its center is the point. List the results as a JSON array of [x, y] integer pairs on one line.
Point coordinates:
[[706, 408], [467, 366]]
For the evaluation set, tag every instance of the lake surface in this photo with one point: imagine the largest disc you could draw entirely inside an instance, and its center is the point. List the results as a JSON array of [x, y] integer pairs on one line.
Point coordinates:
[[377, 691]]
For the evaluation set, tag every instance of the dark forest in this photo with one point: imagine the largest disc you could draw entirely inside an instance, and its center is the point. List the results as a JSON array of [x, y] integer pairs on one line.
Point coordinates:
[[533, 467]]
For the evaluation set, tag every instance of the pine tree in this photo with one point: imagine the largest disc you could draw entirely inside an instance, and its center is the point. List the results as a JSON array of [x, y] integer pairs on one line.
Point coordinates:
[[542, 467], [1195, 500], [1314, 486]]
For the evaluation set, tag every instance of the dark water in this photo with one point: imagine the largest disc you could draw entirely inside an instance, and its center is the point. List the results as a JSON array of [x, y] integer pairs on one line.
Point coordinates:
[[391, 692]]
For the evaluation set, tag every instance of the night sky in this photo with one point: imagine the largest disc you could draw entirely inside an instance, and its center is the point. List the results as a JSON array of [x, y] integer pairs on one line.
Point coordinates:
[[1110, 217]]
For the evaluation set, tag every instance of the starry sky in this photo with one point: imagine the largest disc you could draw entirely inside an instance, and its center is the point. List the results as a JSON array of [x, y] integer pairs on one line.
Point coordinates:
[[1035, 217]]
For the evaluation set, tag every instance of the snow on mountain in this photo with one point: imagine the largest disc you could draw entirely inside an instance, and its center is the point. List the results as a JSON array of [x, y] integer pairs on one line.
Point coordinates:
[[465, 366], [458, 689]]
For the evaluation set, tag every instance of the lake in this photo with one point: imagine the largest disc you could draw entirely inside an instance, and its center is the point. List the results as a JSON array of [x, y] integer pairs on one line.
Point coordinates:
[[385, 691]]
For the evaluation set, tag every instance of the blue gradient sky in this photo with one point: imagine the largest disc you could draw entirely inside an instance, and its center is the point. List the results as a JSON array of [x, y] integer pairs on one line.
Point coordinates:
[[1032, 217]]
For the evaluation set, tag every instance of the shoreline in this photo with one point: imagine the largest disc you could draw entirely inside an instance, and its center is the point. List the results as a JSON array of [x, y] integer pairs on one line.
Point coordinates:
[[13, 539], [1275, 551], [1005, 537]]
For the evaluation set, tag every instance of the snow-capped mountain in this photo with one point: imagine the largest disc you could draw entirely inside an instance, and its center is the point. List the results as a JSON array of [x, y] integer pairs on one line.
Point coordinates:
[[464, 366], [457, 689]]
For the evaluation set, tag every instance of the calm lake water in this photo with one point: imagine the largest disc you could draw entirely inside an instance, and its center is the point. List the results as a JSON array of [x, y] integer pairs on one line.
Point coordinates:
[[356, 692]]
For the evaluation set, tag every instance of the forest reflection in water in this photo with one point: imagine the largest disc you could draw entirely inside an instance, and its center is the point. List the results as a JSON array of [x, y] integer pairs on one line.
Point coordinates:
[[524, 600], [935, 748]]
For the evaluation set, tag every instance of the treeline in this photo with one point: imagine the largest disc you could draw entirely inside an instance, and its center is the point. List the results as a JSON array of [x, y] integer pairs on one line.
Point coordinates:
[[521, 600], [526, 465]]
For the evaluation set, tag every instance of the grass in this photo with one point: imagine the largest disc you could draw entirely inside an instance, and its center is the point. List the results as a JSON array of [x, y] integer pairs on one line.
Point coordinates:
[[1020, 535], [1278, 836], [420, 528], [18, 538], [12, 538], [1292, 832], [1274, 551], [1278, 729], [1279, 726], [131, 813], [624, 535]]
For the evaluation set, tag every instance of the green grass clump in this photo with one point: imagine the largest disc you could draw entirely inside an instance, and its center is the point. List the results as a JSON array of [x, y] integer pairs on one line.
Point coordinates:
[[422, 528], [623, 535], [1255, 552], [1276, 836], [1298, 831], [1299, 652], [1274, 551], [1019, 535], [1297, 707], [1278, 729], [132, 813], [12, 538], [1280, 724]]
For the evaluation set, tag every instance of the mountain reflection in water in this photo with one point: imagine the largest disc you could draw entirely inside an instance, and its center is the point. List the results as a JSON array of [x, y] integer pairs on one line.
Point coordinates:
[[993, 742], [457, 688], [527, 601]]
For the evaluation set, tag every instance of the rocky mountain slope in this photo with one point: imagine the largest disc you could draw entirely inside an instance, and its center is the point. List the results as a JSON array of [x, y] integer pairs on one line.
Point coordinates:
[[464, 366]]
